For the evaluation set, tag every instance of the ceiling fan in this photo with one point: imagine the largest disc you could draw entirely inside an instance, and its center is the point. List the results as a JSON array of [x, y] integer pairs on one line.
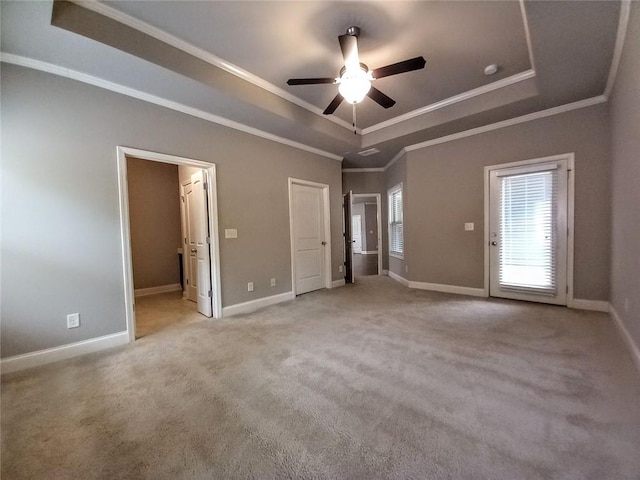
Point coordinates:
[[354, 81]]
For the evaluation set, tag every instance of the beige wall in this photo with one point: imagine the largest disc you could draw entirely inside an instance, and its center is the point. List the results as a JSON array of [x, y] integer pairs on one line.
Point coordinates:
[[446, 189], [61, 236], [625, 184], [154, 212]]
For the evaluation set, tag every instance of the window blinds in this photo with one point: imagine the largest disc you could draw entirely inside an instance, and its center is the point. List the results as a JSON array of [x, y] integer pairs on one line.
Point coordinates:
[[396, 234], [528, 232]]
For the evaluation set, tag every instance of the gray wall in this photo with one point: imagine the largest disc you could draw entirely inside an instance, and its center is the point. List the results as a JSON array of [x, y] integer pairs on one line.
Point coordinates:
[[446, 189], [154, 213], [61, 237], [371, 224], [625, 184]]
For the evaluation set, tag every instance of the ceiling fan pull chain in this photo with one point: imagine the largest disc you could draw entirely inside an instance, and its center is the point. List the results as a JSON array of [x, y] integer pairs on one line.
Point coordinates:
[[355, 131]]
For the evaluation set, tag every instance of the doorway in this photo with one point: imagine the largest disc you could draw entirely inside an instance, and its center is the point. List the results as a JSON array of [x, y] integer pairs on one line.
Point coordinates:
[[366, 234], [529, 238], [310, 236], [205, 232]]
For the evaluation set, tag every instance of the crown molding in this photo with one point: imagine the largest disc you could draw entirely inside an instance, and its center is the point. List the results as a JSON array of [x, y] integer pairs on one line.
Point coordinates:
[[163, 102], [505, 82], [625, 11], [204, 55], [527, 34], [362, 170], [395, 158]]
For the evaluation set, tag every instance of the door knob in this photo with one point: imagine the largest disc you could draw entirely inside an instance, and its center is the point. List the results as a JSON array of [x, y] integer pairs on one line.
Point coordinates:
[[494, 243], [324, 243]]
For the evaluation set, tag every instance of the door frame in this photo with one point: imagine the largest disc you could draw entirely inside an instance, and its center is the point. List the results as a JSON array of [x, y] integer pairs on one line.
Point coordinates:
[[378, 198], [125, 227], [328, 277], [569, 158]]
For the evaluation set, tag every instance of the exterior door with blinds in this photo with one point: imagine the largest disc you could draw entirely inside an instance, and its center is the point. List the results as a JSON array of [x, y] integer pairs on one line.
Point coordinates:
[[528, 232]]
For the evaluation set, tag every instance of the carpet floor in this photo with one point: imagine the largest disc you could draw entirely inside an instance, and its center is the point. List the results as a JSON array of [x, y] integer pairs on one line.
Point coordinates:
[[366, 381]]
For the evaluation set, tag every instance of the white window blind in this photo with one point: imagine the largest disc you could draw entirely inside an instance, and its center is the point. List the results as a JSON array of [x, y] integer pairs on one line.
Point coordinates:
[[528, 230], [396, 233]]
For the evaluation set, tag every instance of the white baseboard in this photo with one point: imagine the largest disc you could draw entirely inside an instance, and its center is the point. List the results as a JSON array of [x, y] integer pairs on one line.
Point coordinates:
[[337, 283], [594, 305], [141, 292], [438, 287], [369, 252], [63, 352], [398, 278], [626, 336], [253, 305]]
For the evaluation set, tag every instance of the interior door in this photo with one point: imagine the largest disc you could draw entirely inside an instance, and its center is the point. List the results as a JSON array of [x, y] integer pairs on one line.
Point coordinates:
[[528, 233], [356, 233], [348, 238], [308, 237], [190, 252], [199, 217]]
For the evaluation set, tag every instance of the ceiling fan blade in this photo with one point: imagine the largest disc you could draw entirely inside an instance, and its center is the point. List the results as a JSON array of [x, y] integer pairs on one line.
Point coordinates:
[[400, 67], [310, 81], [333, 105], [349, 47], [380, 98]]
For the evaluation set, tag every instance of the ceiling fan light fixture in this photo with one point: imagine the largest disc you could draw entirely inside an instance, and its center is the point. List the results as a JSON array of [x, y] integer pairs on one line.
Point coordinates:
[[354, 84]]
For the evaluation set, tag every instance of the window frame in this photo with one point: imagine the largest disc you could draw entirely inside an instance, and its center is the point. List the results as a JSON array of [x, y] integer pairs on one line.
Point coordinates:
[[390, 219]]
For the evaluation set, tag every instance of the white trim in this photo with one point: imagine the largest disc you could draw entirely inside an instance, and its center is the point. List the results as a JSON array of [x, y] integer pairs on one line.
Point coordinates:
[[369, 252], [326, 204], [125, 226], [593, 305], [362, 170], [588, 102], [490, 87], [623, 22], [338, 283], [63, 352], [205, 56], [143, 292], [253, 305], [438, 287], [569, 158], [527, 33], [634, 350], [163, 102], [398, 278]]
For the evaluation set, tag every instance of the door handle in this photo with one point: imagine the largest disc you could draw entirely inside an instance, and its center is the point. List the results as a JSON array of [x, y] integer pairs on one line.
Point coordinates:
[[194, 250], [494, 243], [324, 243]]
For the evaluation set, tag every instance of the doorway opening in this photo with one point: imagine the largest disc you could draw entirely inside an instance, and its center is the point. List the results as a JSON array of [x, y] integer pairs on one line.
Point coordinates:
[[202, 253], [366, 234], [529, 230]]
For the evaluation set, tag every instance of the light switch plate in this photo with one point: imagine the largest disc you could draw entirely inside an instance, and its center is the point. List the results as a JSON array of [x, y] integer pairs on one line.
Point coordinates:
[[230, 233], [469, 226], [73, 320]]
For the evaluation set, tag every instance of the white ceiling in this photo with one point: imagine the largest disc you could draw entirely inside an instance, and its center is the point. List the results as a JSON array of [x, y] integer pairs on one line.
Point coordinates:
[[550, 54]]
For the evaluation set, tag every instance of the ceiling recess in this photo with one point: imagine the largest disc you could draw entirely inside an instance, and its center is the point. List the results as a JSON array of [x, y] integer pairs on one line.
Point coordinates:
[[370, 151]]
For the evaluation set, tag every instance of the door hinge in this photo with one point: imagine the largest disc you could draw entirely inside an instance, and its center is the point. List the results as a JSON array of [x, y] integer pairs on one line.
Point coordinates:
[[182, 197], [210, 293], [205, 186], [208, 240]]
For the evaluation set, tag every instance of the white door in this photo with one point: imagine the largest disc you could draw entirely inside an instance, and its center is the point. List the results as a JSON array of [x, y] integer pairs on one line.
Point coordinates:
[[190, 250], [308, 237], [528, 232], [356, 233], [199, 228]]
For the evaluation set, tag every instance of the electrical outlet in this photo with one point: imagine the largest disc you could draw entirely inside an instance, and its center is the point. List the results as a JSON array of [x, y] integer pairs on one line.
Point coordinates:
[[250, 287], [340, 268], [273, 282], [73, 320], [469, 227], [626, 305]]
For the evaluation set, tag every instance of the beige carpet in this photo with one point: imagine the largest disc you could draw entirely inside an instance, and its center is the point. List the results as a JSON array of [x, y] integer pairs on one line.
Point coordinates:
[[368, 381]]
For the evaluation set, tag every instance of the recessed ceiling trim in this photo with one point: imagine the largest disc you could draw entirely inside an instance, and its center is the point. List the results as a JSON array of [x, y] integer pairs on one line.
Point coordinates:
[[490, 87], [625, 10], [204, 55], [362, 170], [163, 102], [527, 34]]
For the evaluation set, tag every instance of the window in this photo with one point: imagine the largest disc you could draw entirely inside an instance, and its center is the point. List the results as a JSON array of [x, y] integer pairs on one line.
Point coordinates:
[[396, 231]]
